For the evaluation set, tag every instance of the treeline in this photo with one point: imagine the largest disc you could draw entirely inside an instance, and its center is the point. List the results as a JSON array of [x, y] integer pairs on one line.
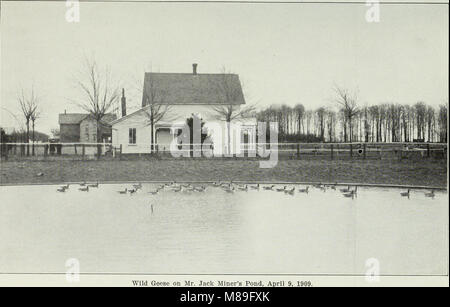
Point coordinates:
[[20, 136], [389, 122]]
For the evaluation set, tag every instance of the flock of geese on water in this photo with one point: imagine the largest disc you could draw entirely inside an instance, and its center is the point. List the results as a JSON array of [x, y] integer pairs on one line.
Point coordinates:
[[231, 187]]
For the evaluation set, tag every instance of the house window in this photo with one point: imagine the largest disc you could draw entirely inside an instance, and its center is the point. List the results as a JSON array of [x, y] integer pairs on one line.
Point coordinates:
[[86, 131], [132, 136]]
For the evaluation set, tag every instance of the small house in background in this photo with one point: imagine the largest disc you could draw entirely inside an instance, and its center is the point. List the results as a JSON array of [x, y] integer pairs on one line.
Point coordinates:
[[186, 95], [82, 128]]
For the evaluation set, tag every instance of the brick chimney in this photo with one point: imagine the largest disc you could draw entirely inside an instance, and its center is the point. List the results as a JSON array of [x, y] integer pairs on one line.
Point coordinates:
[[124, 103], [194, 68]]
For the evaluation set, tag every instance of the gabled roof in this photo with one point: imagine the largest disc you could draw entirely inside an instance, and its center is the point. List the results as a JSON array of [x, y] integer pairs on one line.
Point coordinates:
[[189, 88], [108, 118], [129, 115], [71, 118], [77, 118]]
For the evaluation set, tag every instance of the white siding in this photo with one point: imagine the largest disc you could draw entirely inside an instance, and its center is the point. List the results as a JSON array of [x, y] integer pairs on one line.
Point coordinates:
[[178, 115]]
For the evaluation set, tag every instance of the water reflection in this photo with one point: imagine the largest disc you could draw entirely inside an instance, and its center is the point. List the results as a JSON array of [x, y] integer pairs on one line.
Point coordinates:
[[248, 230]]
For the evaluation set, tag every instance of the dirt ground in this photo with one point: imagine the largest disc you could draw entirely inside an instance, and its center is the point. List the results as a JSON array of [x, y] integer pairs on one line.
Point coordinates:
[[423, 172]]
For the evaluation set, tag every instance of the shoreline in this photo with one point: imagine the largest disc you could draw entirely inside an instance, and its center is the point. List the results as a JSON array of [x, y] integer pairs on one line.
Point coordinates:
[[424, 174], [366, 185]]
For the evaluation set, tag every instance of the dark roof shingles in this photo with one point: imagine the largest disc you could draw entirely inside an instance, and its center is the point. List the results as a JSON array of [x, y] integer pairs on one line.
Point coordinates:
[[76, 118], [183, 88]]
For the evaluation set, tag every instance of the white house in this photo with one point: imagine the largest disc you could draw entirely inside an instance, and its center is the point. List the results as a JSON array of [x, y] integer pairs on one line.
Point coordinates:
[[178, 96]]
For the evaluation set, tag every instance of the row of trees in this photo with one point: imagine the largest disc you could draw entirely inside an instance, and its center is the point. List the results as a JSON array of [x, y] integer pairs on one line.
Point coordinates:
[[347, 122]]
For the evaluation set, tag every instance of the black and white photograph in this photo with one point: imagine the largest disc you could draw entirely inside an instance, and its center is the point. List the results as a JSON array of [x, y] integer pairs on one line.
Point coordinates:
[[224, 144]]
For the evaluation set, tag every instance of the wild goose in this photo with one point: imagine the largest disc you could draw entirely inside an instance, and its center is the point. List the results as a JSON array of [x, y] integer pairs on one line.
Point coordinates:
[[189, 188], [345, 190], [123, 192], [405, 194], [243, 188], [154, 192], [281, 189], [269, 187], [84, 189], [305, 190], [83, 183], [230, 190], [95, 185], [290, 192], [61, 189], [132, 191], [200, 189], [430, 194], [177, 189], [226, 184], [349, 194], [255, 187]]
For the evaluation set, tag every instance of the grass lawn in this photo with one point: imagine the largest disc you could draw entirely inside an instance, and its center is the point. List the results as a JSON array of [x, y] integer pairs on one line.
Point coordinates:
[[407, 172]]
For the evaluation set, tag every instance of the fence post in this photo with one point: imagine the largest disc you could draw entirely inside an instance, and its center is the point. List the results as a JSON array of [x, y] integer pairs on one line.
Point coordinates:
[[351, 150], [332, 153], [428, 150], [364, 151], [75, 147], [298, 151], [4, 150], [120, 154], [83, 151]]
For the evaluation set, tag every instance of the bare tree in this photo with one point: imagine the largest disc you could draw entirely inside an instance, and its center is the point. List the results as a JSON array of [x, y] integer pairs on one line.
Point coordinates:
[[230, 113], [347, 102], [420, 109], [321, 113], [299, 111], [230, 110], [98, 94], [443, 122], [430, 119], [28, 106], [331, 121], [33, 118], [155, 106]]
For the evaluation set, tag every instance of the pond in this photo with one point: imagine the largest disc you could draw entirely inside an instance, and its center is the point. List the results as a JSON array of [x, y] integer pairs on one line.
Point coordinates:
[[245, 232]]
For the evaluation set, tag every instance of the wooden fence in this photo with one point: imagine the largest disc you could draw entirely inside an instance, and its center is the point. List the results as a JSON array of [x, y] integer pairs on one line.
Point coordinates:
[[52, 151], [331, 151]]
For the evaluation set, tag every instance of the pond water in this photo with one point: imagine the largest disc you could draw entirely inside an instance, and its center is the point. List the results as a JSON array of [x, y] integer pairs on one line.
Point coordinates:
[[218, 232]]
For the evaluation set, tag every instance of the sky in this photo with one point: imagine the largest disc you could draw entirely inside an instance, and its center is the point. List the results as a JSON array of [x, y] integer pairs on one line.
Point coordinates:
[[283, 53]]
